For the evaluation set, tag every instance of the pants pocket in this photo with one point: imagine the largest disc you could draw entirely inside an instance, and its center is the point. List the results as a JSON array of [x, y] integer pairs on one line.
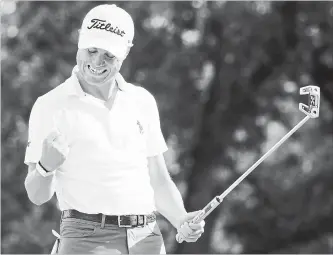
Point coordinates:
[[55, 247], [154, 228], [76, 228]]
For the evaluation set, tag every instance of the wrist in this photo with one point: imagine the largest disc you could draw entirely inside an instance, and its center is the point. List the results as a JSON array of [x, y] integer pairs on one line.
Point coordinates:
[[42, 170], [178, 219], [43, 167]]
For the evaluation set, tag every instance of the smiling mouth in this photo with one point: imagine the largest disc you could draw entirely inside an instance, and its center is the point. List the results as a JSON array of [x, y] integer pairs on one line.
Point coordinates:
[[96, 71]]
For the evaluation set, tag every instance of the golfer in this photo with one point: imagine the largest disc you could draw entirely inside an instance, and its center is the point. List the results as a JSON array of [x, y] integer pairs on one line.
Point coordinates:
[[95, 140]]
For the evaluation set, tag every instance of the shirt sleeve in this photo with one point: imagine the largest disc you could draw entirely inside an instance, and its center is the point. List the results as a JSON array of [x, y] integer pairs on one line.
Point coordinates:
[[41, 123], [35, 135], [155, 140]]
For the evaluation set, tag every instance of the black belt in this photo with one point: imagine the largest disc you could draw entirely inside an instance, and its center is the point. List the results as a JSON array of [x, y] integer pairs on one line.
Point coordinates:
[[121, 220]]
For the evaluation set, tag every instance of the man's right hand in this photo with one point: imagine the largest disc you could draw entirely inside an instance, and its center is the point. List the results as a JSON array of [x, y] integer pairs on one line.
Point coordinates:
[[55, 151]]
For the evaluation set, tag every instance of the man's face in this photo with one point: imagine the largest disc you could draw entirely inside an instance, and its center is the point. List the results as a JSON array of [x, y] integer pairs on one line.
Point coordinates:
[[97, 66]]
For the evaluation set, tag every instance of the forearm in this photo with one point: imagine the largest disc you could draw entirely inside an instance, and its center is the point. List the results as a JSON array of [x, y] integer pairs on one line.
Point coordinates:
[[169, 202], [40, 189]]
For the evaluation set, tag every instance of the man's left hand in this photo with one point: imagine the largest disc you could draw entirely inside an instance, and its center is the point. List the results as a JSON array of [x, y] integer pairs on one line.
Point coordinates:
[[188, 231]]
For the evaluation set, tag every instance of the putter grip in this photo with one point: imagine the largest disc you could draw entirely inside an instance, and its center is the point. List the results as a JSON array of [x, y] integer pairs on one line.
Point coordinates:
[[203, 214]]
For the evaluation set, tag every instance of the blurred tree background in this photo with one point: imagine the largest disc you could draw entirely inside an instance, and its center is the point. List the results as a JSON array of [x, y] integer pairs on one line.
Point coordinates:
[[226, 76]]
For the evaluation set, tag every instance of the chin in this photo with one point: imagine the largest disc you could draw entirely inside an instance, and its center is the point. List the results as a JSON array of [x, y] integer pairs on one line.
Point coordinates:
[[96, 81]]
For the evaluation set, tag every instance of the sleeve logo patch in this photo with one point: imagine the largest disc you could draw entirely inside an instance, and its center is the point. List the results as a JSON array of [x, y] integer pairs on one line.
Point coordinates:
[[140, 127]]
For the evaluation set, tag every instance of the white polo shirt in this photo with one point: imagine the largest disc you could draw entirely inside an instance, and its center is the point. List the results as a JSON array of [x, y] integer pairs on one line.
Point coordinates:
[[106, 170]]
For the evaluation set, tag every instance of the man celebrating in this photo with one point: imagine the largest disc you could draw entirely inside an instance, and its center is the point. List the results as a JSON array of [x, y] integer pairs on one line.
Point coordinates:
[[96, 141]]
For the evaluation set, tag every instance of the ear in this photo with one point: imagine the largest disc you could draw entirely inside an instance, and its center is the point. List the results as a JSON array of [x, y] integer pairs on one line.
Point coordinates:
[[78, 35], [128, 50]]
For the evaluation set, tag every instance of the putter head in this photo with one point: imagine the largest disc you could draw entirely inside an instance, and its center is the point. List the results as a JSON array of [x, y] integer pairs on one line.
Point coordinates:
[[312, 109]]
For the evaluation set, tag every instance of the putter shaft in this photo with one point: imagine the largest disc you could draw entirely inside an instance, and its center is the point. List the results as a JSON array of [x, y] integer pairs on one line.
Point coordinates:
[[215, 202], [311, 110], [263, 157]]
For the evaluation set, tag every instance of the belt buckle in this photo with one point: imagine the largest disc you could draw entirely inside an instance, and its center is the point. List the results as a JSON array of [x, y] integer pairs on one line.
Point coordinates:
[[123, 225]]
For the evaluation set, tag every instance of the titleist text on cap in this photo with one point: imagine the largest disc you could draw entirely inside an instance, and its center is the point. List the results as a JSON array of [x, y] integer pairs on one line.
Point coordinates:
[[103, 25]]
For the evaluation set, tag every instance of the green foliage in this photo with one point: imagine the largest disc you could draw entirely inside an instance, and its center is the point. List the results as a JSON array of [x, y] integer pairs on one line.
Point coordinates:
[[226, 77]]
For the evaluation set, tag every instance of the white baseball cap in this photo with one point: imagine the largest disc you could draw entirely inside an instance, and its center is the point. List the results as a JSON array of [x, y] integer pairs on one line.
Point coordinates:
[[108, 27]]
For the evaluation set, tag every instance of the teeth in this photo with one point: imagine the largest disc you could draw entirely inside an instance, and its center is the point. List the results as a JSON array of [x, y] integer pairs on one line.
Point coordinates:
[[95, 71]]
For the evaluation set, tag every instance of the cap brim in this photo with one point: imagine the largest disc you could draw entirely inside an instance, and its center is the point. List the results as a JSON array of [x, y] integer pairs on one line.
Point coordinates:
[[115, 46]]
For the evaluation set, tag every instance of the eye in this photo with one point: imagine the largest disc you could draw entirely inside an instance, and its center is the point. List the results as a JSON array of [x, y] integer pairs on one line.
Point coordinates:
[[92, 50], [109, 56]]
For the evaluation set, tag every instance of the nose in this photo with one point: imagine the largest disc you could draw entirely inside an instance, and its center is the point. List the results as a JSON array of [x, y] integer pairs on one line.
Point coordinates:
[[99, 60]]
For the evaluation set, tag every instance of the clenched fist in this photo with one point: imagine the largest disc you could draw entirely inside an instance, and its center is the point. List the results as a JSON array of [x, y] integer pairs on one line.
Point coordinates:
[[54, 152]]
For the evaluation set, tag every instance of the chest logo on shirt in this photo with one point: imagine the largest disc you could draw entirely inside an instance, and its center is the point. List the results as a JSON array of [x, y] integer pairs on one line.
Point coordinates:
[[140, 127]]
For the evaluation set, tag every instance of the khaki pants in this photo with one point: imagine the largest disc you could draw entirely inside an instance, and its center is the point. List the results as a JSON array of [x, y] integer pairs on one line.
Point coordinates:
[[86, 237]]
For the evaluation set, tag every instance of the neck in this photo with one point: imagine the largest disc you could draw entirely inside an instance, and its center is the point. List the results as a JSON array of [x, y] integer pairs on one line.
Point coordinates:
[[101, 92]]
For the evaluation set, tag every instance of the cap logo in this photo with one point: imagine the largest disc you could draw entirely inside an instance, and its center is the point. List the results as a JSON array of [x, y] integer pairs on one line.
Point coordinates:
[[103, 25]]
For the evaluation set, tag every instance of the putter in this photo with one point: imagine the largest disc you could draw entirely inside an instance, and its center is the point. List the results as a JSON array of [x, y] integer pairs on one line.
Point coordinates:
[[311, 110]]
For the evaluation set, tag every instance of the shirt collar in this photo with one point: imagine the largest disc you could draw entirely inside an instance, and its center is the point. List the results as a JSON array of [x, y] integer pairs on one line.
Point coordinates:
[[76, 90]]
